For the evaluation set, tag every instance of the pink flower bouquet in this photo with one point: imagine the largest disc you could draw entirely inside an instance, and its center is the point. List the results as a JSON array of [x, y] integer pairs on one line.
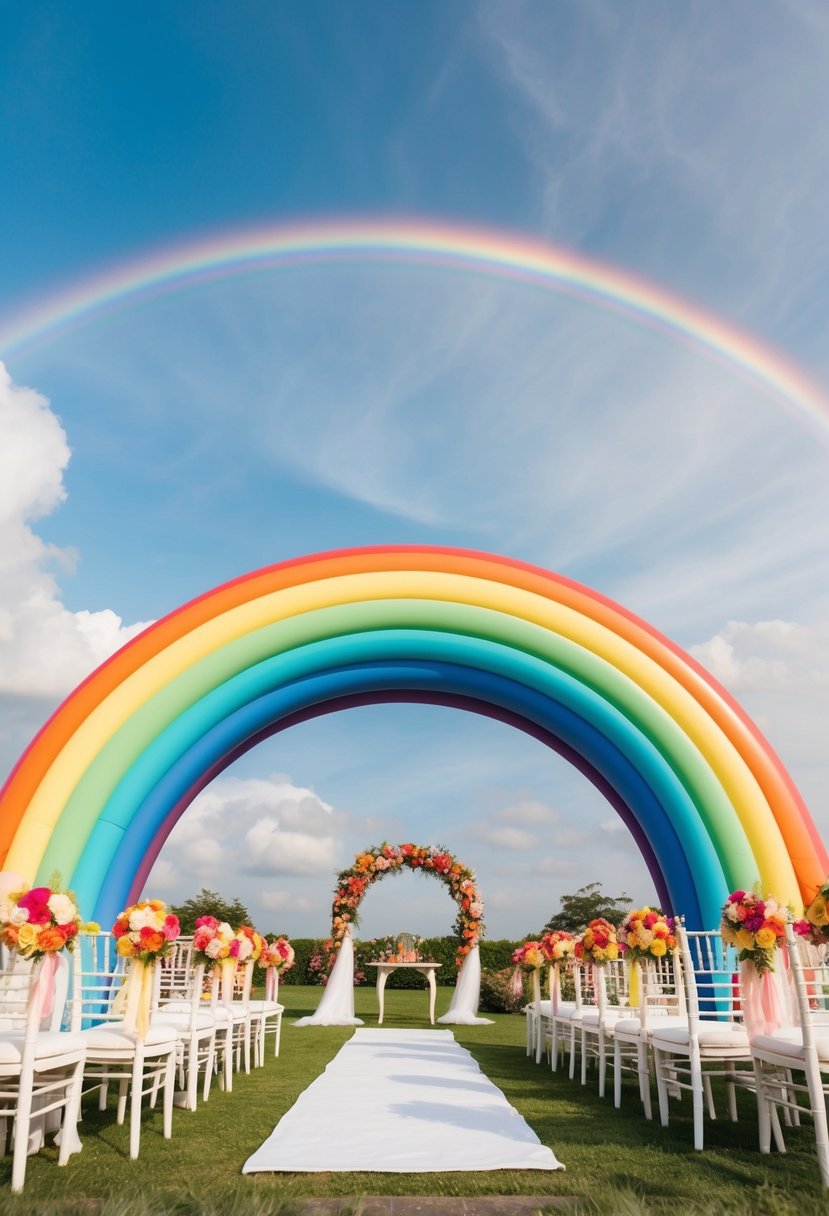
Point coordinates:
[[38, 921]]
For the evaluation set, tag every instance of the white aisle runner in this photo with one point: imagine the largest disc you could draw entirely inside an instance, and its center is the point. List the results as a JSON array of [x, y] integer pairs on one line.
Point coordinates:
[[396, 1101]]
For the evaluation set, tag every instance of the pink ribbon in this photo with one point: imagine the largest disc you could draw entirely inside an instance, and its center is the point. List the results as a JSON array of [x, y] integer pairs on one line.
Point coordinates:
[[42, 993], [555, 987], [516, 984], [271, 983], [762, 1012]]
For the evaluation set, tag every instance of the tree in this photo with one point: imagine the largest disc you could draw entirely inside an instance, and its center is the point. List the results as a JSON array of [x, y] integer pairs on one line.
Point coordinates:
[[585, 905], [210, 903]]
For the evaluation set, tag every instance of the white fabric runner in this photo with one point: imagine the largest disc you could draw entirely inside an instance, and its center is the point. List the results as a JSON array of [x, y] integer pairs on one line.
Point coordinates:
[[397, 1101]]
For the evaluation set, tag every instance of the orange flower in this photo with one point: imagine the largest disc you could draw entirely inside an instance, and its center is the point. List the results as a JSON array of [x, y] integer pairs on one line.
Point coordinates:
[[51, 938]]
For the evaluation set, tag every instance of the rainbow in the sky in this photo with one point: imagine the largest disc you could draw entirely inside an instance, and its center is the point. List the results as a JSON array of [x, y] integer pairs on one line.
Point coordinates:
[[707, 800], [473, 249]]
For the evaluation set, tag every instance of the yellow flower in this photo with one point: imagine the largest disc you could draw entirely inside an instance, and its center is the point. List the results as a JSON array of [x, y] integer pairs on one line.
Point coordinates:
[[745, 939], [765, 938], [818, 913], [658, 948], [612, 950], [125, 947], [27, 936]]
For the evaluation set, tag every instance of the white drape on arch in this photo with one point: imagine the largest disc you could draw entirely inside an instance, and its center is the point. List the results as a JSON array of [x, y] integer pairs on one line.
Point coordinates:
[[337, 1005], [463, 1009]]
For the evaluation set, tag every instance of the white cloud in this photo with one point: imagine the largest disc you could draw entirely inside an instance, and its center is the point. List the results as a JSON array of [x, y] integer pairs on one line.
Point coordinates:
[[276, 901], [45, 650], [257, 826], [767, 655], [529, 810], [513, 839]]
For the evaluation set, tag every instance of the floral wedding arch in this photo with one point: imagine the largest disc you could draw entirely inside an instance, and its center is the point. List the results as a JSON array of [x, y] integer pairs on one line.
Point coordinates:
[[375, 863]]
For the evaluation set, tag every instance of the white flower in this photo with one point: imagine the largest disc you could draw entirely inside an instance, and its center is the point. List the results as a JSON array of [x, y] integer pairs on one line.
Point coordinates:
[[62, 908], [476, 909], [245, 947], [19, 916], [224, 930], [144, 918], [213, 948]]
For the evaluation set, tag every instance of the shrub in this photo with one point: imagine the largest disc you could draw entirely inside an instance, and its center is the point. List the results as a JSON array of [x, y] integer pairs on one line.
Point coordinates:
[[496, 992]]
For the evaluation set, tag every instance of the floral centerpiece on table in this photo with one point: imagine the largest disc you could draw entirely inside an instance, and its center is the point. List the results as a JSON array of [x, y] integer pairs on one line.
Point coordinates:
[[598, 943], [145, 931], [816, 925], [756, 926], [38, 921], [646, 933]]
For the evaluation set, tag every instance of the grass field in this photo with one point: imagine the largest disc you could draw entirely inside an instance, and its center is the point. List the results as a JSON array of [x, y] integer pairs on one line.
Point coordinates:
[[616, 1161]]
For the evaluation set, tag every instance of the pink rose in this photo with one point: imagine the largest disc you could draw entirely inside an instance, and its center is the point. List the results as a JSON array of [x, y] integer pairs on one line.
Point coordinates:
[[36, 903]]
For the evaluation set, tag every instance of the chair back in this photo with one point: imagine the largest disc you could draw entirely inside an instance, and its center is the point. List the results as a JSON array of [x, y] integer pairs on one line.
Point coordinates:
[[616, 983], [661, 988], [811, 986], [710, 971], [177, 972], [97, 975]]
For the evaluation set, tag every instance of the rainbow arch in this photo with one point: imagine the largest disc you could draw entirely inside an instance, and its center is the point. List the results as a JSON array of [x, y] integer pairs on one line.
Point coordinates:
[[712, 808]]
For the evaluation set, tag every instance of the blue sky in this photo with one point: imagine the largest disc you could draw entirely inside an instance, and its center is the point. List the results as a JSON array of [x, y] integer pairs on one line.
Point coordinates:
[[158, 450]]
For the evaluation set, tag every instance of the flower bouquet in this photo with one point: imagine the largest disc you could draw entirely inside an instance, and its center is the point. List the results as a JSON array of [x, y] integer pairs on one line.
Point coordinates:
[[529, 958], [38, 921], [143, 933], [557, 947], [755, 926], [646, 933], [816, 926], [218, 945], [598, 943], [276, 957]]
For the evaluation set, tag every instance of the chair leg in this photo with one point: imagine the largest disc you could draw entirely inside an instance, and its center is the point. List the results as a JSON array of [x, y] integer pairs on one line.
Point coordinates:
[[617, 1073], [169, 1092], [135, 1103], [698, 1084], [763, 1108], [278, 1035], [21, 1136], [68, 1136], [661, 1086]]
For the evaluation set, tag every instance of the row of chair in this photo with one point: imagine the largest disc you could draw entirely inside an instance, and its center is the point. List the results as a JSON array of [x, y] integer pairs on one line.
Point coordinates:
[[689, 1026], [197, 1027]]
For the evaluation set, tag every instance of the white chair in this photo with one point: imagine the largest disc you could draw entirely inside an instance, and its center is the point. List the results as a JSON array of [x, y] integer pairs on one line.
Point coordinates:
[[41, 1067], [181, 1006], [141, 1060], [713, 1041], [567, 1020], [266, 1018], [234, 1019], [596, 1024], [661, 1003], [801, 1049]]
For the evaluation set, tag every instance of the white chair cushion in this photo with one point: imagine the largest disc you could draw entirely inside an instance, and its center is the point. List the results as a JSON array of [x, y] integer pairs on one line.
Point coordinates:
[[267, 1007], [112, 1036], [789, 1042], [612, 1015], [711, 1034], [180, 1020], [49, 1043]]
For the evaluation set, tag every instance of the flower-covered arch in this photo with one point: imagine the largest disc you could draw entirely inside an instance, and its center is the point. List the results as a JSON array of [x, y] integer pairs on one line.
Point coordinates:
[[375, 863]]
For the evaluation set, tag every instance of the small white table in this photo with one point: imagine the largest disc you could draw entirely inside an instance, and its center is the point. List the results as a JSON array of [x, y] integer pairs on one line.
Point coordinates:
[[384, 970]]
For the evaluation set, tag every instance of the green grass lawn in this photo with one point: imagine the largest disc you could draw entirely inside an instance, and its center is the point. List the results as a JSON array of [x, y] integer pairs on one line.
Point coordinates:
[[616, 1161]]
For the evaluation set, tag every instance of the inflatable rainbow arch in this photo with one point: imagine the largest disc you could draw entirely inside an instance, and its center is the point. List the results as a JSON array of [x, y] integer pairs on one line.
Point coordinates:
[[711, 807]]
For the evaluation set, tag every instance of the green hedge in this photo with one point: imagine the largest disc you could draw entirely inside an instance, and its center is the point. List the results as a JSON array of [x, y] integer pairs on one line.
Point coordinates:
[[495, 956]]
